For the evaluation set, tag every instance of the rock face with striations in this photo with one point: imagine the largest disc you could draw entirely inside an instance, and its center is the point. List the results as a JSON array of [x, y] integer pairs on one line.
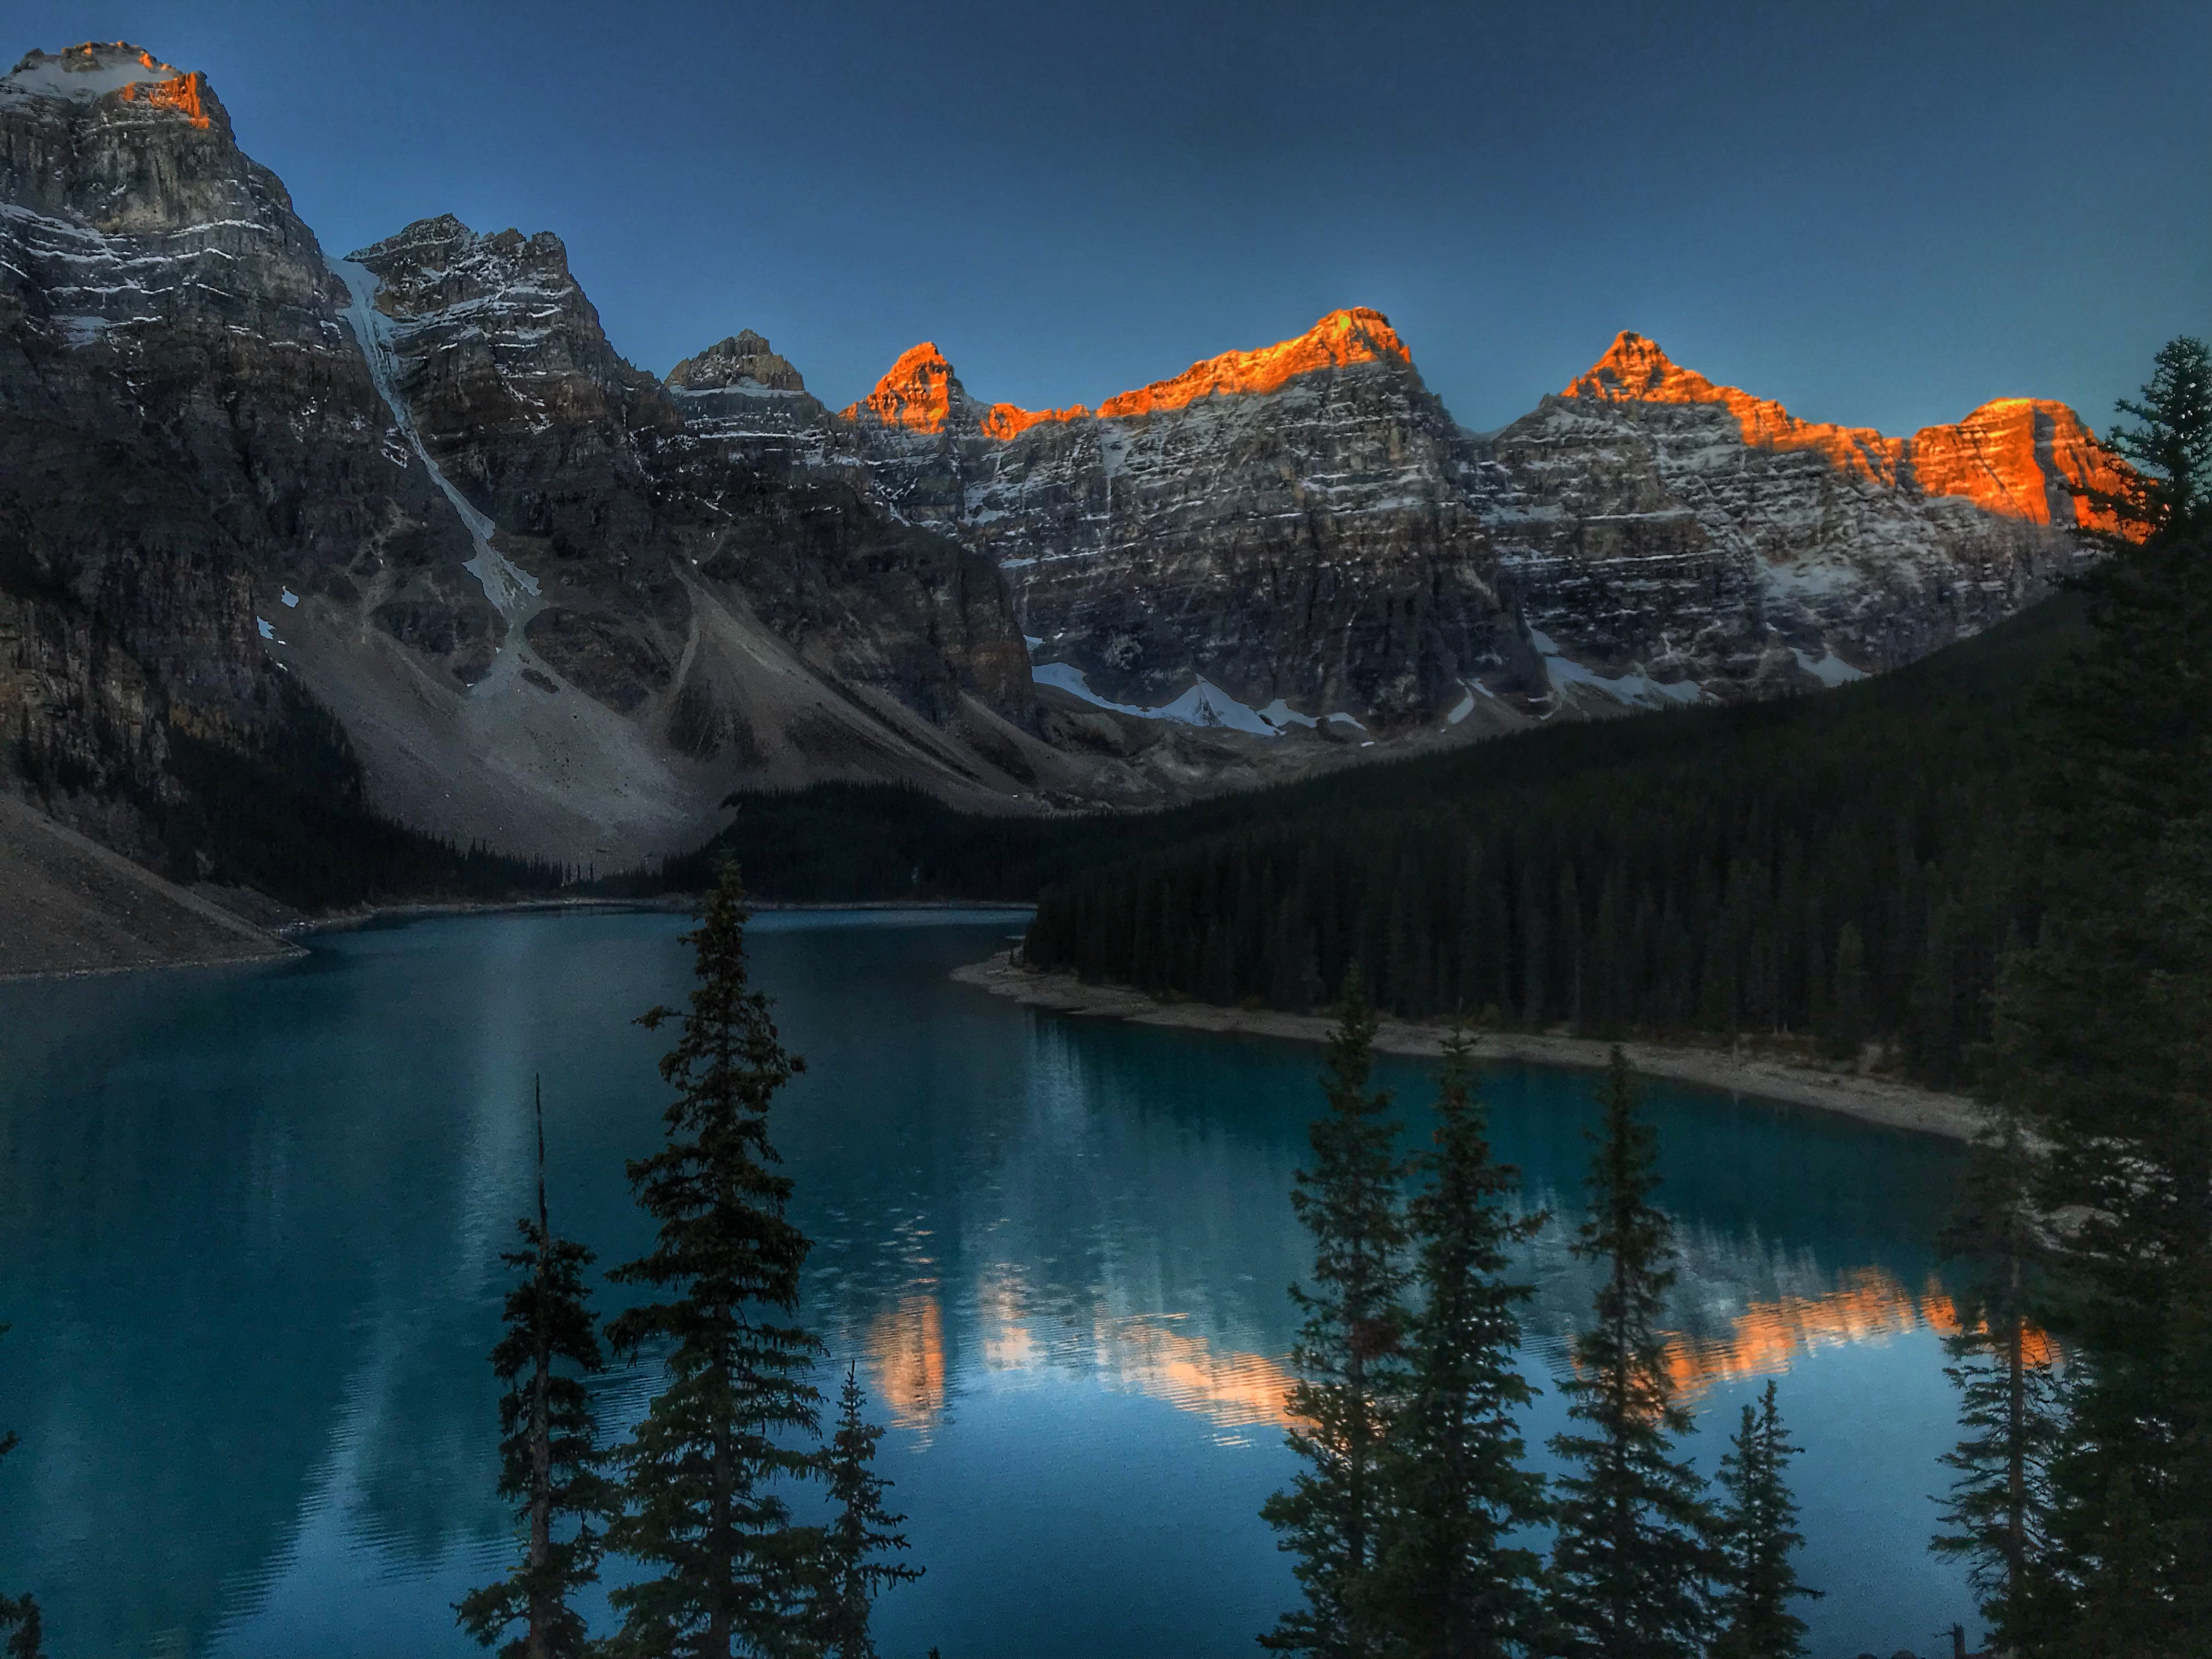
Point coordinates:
[[1301, 532], [241, 484], [1672, 538], [186, 431], [598, 489], [564, 607], [1289, 529]]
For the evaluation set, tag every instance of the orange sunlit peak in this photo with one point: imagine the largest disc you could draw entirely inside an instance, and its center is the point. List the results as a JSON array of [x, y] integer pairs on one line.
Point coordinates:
[[2020, 457], [1354, 334], [915, 392]]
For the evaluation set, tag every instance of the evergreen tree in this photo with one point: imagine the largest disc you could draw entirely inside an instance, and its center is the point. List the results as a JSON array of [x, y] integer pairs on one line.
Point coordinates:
[[1633, 1555], [2001, 1364], [2104, 1047], [703, 1469], [1451, 1585], [860, 1531], [19, 1615], [1847, 1006], [1758, 1535], [1347, 1356], [550, 1455], [2172, 450]]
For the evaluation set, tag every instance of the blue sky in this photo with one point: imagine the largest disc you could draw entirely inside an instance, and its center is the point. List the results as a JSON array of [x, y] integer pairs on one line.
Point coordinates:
[[1881, 214]]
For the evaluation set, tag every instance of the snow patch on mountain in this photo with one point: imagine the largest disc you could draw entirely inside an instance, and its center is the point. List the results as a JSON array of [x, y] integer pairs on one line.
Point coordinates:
[[85, 73], [512, 589], [1636, 687]]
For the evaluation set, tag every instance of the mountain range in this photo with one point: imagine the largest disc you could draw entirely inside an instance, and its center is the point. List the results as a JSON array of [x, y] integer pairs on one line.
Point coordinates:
[[406, 522]]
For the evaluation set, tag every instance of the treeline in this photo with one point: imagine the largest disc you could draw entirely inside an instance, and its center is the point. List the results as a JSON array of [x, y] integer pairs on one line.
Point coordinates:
[[863, 843], [295, 827], [1844, 865]]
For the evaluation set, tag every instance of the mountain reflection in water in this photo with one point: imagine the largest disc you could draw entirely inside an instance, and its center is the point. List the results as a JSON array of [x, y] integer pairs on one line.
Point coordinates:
[[249, 1231]]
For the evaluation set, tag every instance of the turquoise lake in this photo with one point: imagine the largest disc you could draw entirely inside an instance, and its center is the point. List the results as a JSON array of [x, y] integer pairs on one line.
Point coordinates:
[[250, 1223]]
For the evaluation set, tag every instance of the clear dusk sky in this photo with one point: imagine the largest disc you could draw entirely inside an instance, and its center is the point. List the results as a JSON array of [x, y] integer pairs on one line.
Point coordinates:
[[1880, 214]]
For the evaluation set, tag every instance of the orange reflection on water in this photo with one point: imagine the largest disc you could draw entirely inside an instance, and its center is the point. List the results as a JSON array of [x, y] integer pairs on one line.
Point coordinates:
[[906, 1359], [1871, 1306], [1145, 1355], [2022, 458]]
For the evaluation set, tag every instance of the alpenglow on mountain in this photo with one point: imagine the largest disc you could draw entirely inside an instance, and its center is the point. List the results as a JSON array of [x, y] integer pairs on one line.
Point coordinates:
[[405, 520]]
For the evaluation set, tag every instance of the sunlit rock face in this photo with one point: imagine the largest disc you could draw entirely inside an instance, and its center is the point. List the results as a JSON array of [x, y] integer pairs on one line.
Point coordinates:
[[1301, 530], [1670, 534], [1290, 526]]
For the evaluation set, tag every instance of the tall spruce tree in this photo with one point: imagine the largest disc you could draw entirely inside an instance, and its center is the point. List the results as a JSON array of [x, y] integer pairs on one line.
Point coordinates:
[[1633, 1554], [1450, 1584], [2003, 1367], [706, 1470], [2104, 1047], [860, 1533], [1757, 1534], [19, 1615], [550, 1455], [1348, 1358]]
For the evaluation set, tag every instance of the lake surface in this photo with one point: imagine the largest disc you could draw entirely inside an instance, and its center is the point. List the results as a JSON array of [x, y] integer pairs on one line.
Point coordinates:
[[250, 1221]]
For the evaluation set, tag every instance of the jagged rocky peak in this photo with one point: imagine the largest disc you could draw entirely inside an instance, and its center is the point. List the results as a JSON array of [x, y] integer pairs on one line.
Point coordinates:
[[918, 393], [921, 394], [743, 360], [500, 307], [1636, 369], [2024, 457], [441, 262]]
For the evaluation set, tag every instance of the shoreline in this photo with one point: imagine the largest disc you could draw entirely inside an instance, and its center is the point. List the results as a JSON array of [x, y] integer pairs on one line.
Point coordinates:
[[673, 903], [1869, 1100], [282, 937]]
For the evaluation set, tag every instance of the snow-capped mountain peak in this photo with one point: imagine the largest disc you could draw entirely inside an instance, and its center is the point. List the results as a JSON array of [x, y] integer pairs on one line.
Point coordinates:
[[97, 70]]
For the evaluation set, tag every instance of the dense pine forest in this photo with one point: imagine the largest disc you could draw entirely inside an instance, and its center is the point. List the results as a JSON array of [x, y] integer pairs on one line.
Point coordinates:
[[1843, 864]]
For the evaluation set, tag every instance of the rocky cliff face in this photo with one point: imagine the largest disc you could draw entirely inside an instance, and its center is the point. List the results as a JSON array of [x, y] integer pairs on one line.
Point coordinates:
[[187, 434], [649, 555], [420, 487]]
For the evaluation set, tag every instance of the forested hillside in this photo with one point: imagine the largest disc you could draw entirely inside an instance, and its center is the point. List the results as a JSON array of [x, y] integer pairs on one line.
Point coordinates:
[[1842, 864]]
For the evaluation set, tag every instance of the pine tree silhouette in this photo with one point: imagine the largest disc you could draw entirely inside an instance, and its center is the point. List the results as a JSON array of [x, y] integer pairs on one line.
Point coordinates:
[[860, 1531], [1758, 1535], [1350, 1368], [705, 1471], [1451, 1586], [550, 1455], [1633, 1557]]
